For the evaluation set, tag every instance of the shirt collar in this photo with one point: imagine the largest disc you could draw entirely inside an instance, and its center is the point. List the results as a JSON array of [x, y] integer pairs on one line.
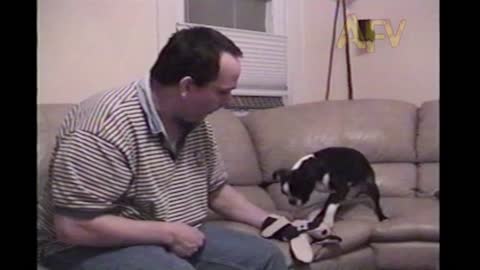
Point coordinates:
[[145, 95]]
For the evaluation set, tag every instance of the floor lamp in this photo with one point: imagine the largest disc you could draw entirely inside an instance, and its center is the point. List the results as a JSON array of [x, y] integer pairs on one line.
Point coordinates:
[[347, 50]]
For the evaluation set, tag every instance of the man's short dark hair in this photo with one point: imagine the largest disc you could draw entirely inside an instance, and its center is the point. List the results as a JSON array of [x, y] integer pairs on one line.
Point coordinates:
[[193, 52]]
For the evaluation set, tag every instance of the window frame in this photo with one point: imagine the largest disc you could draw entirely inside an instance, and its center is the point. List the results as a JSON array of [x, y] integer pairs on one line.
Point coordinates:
[[275, 23], [275, 9]]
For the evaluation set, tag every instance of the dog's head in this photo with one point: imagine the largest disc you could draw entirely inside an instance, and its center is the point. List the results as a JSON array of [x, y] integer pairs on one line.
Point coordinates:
[[296, 184]]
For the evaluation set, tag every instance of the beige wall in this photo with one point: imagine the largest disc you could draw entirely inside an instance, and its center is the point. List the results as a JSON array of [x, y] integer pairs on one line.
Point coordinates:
[[90, 45], [407, 72]]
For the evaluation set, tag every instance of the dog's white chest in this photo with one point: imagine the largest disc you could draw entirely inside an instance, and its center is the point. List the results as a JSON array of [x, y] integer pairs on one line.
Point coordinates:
[[323, 185]]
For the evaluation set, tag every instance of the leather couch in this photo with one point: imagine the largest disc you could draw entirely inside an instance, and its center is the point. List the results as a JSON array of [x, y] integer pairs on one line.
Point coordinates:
[[400, 139]]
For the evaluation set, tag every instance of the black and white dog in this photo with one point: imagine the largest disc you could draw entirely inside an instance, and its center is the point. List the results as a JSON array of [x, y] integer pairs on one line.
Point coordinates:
[[336, 170]]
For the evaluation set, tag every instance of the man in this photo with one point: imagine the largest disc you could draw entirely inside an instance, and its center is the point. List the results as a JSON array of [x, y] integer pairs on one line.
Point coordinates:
[[134, 170]]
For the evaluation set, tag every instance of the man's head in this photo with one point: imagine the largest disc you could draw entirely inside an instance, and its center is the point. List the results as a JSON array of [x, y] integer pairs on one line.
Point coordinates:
[[203, 65]]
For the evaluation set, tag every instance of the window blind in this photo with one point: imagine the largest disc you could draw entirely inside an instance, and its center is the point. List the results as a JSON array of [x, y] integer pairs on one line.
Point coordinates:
[[264, 62]]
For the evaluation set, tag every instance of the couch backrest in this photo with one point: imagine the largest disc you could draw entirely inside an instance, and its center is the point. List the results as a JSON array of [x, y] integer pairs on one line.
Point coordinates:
[[233, 140], [395, 136], [428, 140], [384, 130], [236, 148], [238, 153], [49, 119]]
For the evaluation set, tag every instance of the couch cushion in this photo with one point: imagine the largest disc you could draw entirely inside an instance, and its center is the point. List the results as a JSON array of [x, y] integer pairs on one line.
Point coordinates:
[[428, 132], [355, 234], [408, 255], [428, 177], [383, 130], [361, 259], [236, 148], [396, 179], [410, 219]]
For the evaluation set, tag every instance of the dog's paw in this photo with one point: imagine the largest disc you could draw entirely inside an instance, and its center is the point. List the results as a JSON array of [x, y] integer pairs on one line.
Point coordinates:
[[301, 224], [301, 248], [278, 227], [324, 229]]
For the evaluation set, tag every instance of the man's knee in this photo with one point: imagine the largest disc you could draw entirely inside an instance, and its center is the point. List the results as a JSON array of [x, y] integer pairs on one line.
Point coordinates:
[[264, 253], [272, 251], [246, 250], [135, 257], [268, 256]]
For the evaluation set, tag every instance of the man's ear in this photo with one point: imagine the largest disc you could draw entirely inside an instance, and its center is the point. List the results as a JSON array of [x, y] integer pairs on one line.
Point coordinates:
[[280, 174], [185, 85]]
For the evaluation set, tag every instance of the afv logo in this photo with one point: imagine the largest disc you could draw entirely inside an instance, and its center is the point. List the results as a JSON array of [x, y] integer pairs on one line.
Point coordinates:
[[367, 37]]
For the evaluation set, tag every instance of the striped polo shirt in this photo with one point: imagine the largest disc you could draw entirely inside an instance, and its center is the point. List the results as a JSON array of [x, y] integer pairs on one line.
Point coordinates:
[[112, 156]]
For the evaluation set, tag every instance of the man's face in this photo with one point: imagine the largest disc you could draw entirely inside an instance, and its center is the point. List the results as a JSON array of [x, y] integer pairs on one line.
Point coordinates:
[[201, 101]]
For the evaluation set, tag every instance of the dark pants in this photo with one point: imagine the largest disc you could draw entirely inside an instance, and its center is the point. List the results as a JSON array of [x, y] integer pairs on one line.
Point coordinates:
[[223, 250]]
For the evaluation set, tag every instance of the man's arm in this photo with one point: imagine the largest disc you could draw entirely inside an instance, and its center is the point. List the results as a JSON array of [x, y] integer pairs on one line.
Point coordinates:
[[110, 231], [234, 206], [89, 174]]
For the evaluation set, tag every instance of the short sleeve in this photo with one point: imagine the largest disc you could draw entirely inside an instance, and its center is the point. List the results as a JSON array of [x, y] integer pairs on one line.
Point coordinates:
[[217, 172], [88, 175]]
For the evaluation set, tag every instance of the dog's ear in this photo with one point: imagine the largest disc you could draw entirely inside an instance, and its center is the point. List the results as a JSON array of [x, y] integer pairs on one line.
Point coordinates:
[[280, 174]]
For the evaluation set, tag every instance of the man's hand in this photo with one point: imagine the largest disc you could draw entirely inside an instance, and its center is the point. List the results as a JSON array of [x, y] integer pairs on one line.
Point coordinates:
[[186, 239]]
